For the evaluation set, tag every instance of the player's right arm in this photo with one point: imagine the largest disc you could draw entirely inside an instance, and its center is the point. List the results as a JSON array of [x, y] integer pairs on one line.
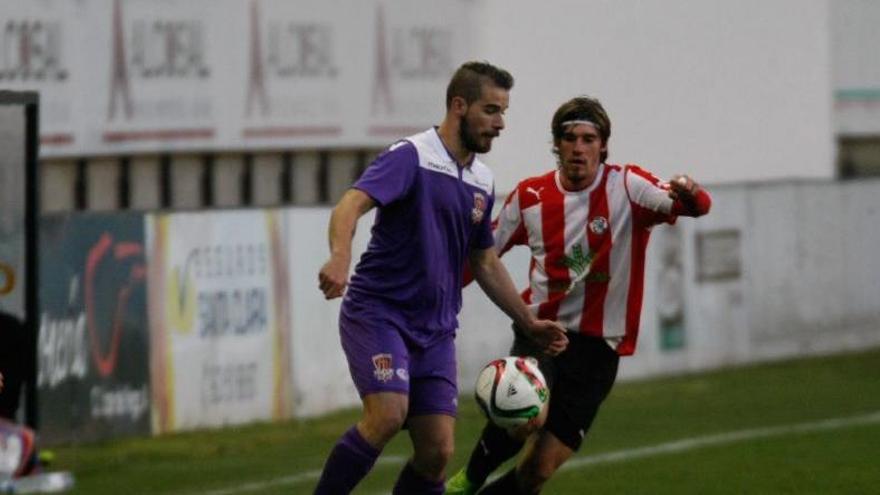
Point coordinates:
[[388, 178], [333, 276]]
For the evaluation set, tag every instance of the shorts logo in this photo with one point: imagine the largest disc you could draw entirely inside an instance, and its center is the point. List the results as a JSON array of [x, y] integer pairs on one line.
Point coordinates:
[[598, 225], [403, 374], [383, 369], [479, 208]]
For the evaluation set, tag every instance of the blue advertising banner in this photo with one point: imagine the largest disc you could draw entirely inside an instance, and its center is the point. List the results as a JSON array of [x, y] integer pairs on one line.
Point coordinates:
[[93, 347]]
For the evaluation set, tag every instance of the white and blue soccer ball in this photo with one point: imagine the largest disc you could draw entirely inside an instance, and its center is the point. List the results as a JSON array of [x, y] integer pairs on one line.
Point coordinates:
[[512, 391]]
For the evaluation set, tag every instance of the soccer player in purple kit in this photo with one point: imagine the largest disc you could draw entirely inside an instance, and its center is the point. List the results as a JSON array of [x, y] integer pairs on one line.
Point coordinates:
[[399, 315]]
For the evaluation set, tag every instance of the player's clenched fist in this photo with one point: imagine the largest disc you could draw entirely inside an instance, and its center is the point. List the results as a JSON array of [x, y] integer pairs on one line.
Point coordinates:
[[682, 187], [333, 277]]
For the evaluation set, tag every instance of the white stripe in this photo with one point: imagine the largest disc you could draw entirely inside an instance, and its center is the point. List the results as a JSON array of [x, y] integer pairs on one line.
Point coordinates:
[[645, 194], [694, 443], [576, 210], [619, 266], [674, 447], [509, 220], [538, 279]]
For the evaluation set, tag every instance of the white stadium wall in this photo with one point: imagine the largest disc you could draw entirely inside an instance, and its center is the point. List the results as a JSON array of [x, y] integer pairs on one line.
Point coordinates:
[[726, 91], [320, 373]]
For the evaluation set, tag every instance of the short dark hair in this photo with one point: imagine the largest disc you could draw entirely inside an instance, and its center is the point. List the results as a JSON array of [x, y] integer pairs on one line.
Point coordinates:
[[468, 80], [581, 108]]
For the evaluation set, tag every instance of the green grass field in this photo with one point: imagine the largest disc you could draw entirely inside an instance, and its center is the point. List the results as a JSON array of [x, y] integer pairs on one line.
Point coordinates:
[[803, 426]]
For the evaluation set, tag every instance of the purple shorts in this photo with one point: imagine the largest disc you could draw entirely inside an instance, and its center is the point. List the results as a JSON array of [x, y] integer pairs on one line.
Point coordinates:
[[380, 360]]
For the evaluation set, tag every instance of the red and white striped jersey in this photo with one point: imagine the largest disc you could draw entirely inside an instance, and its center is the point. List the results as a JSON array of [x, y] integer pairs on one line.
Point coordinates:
[[588, 247]]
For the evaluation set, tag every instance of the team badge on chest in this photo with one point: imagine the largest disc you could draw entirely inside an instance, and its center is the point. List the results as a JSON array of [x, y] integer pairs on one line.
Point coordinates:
[[479, 208], [598, 225]]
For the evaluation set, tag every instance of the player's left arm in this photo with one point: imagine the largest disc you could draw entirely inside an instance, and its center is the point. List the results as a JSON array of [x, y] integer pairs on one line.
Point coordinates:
[[657, 202], [491, 274]]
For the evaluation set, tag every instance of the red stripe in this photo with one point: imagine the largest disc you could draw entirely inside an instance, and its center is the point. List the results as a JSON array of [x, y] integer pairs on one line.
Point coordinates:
[[595, 292], [158, 135], [290, 131], [394, 130], [59, 139], [640, 238], [553, 232]]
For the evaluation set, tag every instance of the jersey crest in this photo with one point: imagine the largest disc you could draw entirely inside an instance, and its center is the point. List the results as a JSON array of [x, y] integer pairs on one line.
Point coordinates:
[[479, 209]]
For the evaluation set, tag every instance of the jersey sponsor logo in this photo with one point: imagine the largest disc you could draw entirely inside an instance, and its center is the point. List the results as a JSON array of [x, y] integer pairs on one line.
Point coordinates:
[[403, 374], [479, 209], [580, 263], [383, 371], [598, 225], [443, 168], [537, 192]]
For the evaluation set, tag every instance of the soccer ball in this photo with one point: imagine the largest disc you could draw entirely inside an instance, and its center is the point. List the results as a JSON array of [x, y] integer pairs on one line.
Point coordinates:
[[512, 391]]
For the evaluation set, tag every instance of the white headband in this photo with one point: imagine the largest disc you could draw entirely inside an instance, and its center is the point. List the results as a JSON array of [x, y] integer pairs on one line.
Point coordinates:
[[577, 122]]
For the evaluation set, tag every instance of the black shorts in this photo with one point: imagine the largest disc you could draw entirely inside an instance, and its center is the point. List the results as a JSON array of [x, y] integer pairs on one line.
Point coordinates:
[[579, 380]]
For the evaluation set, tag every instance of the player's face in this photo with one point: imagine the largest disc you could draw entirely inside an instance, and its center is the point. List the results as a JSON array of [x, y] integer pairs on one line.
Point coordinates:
[[484, 119], [580, 149]]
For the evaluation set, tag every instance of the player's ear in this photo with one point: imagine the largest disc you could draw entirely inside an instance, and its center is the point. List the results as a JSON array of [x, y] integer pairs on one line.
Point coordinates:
[[458, 106]]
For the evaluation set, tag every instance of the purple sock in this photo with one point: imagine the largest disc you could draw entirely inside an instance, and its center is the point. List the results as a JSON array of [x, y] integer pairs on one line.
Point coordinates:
[[412, 483], [351, 460]]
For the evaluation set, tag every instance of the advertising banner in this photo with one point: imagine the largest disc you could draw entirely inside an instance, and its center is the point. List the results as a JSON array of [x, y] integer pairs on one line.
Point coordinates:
[[121, 76], [219, 317], [93, 344]]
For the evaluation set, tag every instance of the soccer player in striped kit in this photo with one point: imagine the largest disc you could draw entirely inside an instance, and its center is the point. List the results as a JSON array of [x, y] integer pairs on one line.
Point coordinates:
[[587, 224], [398, 318]]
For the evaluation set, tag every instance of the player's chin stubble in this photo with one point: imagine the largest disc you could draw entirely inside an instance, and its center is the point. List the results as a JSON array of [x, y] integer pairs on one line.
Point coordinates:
[[470, 142]]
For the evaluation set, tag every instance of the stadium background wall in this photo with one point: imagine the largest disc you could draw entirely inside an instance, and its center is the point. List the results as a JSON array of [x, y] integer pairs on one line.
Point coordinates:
[[738, 91], [236, 330]]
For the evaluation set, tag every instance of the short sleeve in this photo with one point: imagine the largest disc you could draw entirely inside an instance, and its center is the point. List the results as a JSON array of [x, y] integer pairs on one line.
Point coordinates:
[[508, 227], [649, 196], [483, 238], [391, 175]]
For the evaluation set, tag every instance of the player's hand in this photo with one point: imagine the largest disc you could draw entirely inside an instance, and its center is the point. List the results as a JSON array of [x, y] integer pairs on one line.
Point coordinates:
[[333, 277], [548, 334], [682, 187]]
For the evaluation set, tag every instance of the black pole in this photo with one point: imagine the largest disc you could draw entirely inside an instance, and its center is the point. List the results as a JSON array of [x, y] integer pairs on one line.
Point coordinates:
[[32, 215]]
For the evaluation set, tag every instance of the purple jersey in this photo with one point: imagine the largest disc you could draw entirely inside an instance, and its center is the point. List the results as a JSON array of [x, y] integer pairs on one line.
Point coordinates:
[[432, 212]]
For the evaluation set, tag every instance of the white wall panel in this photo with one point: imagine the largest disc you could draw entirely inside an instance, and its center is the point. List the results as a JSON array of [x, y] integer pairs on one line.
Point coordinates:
[[728, 91], [320, 378]]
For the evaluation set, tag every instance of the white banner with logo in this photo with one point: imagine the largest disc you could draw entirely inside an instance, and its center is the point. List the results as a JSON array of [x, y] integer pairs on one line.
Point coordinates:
[[120, 76], [12, 208], [218, 294]]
